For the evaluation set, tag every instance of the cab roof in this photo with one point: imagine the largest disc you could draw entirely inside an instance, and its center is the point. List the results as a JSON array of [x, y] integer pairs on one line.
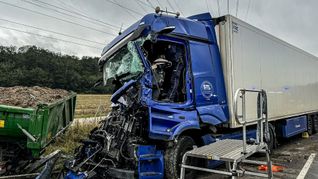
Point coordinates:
[[191, 26]]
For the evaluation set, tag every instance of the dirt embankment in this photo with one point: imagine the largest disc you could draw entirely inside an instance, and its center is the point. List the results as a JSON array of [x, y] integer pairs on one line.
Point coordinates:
[[30, 96]]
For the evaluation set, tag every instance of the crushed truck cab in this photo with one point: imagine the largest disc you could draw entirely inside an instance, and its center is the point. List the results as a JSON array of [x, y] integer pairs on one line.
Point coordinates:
[[199, 85], [174, 89], [168, 84]]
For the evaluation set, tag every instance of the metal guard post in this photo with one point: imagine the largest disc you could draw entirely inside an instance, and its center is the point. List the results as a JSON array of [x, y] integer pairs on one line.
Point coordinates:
[[241, 92], [238, 93]]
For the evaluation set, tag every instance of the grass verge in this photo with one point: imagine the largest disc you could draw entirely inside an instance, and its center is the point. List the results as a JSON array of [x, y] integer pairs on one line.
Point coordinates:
[[70, 140]]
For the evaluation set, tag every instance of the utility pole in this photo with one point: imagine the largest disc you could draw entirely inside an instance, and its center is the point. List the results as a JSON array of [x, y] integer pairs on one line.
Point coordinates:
[[228, 6], [237, 7]]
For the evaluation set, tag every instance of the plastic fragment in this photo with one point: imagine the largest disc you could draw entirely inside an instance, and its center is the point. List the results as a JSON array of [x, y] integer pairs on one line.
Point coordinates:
[[275, 168]]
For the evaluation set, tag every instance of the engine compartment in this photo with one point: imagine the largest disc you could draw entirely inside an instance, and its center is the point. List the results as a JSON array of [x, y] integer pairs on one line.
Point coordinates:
[[114, 143]]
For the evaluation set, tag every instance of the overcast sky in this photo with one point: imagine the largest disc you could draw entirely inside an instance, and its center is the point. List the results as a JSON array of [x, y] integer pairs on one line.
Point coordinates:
[[291, 20]]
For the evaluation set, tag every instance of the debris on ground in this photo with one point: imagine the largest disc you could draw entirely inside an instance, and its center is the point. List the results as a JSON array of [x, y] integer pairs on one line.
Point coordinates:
[[275, 168], [30, 96]]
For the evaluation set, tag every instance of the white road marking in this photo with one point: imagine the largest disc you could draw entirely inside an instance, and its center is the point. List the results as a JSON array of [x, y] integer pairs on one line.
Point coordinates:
[[306, 167]]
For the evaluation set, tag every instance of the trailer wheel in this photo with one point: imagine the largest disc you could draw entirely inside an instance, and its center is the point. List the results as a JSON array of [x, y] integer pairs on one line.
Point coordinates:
[[310, 125], [315, 124], [272, 138], [174, 154]]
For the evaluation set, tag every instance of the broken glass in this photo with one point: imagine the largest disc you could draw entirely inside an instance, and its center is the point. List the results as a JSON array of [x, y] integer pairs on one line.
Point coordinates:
[[126, 62]]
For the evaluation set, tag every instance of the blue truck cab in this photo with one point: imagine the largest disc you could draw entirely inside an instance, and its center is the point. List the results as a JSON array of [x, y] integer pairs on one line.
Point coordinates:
[[175, 62], [168, 96], [201, 80]]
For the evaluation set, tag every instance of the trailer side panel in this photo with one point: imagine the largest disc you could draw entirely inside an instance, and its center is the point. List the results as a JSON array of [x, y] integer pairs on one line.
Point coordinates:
[[254, 59]]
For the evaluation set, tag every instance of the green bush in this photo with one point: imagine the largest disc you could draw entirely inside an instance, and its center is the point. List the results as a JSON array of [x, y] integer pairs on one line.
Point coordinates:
[[33, 66]]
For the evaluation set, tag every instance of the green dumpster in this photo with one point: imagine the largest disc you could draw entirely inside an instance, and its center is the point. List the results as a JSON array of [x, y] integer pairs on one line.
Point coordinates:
[[35, 128]]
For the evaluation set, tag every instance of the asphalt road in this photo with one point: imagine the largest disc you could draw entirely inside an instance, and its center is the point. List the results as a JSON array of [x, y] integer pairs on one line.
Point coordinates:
[[291, 153]]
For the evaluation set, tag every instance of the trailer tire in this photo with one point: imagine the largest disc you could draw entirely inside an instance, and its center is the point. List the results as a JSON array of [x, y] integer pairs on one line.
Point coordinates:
[[272, 143], [315, 120], [310, 124], [173, 156]]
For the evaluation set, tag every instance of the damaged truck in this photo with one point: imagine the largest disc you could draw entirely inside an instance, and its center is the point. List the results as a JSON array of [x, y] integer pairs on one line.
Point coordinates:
[[174, 81]]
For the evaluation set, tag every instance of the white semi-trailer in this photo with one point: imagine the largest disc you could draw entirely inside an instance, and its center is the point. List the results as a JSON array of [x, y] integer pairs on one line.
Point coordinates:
[[254, 59]]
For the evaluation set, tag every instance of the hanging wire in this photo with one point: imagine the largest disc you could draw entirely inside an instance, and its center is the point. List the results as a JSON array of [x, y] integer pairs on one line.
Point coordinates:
[[49, 37], [147, 4], [178, 7], [150, 4], [79, 14], [170, 5], [141, 7], [50, 31], [160, 4], [54, 17], [73, 16], [61, 2], [123, 7]]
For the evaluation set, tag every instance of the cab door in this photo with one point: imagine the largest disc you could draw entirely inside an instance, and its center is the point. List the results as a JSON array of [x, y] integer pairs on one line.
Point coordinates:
[[210, 98]]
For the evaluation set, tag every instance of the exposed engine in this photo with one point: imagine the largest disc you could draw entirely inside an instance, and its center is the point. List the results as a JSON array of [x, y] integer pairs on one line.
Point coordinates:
[[112, 145]]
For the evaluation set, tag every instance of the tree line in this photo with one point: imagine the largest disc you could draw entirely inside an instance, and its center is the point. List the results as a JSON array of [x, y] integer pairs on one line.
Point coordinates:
[[33, 66]]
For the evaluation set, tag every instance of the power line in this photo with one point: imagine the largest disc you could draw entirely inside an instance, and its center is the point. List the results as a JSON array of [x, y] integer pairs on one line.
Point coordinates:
[[79, 14], [137, 2], [148, 5], [151, 4], [170, 5], [128, 9], [67, 41], [43, 14], [52, 9], [175, 2], [159, 4], [71, 6], [54, 32]]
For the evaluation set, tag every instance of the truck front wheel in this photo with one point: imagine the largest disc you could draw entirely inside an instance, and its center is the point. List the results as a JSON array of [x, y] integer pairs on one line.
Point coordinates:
[[174, 154]]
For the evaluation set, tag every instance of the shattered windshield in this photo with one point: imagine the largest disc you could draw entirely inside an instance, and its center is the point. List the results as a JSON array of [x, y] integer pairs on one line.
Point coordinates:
[[125, 63]]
